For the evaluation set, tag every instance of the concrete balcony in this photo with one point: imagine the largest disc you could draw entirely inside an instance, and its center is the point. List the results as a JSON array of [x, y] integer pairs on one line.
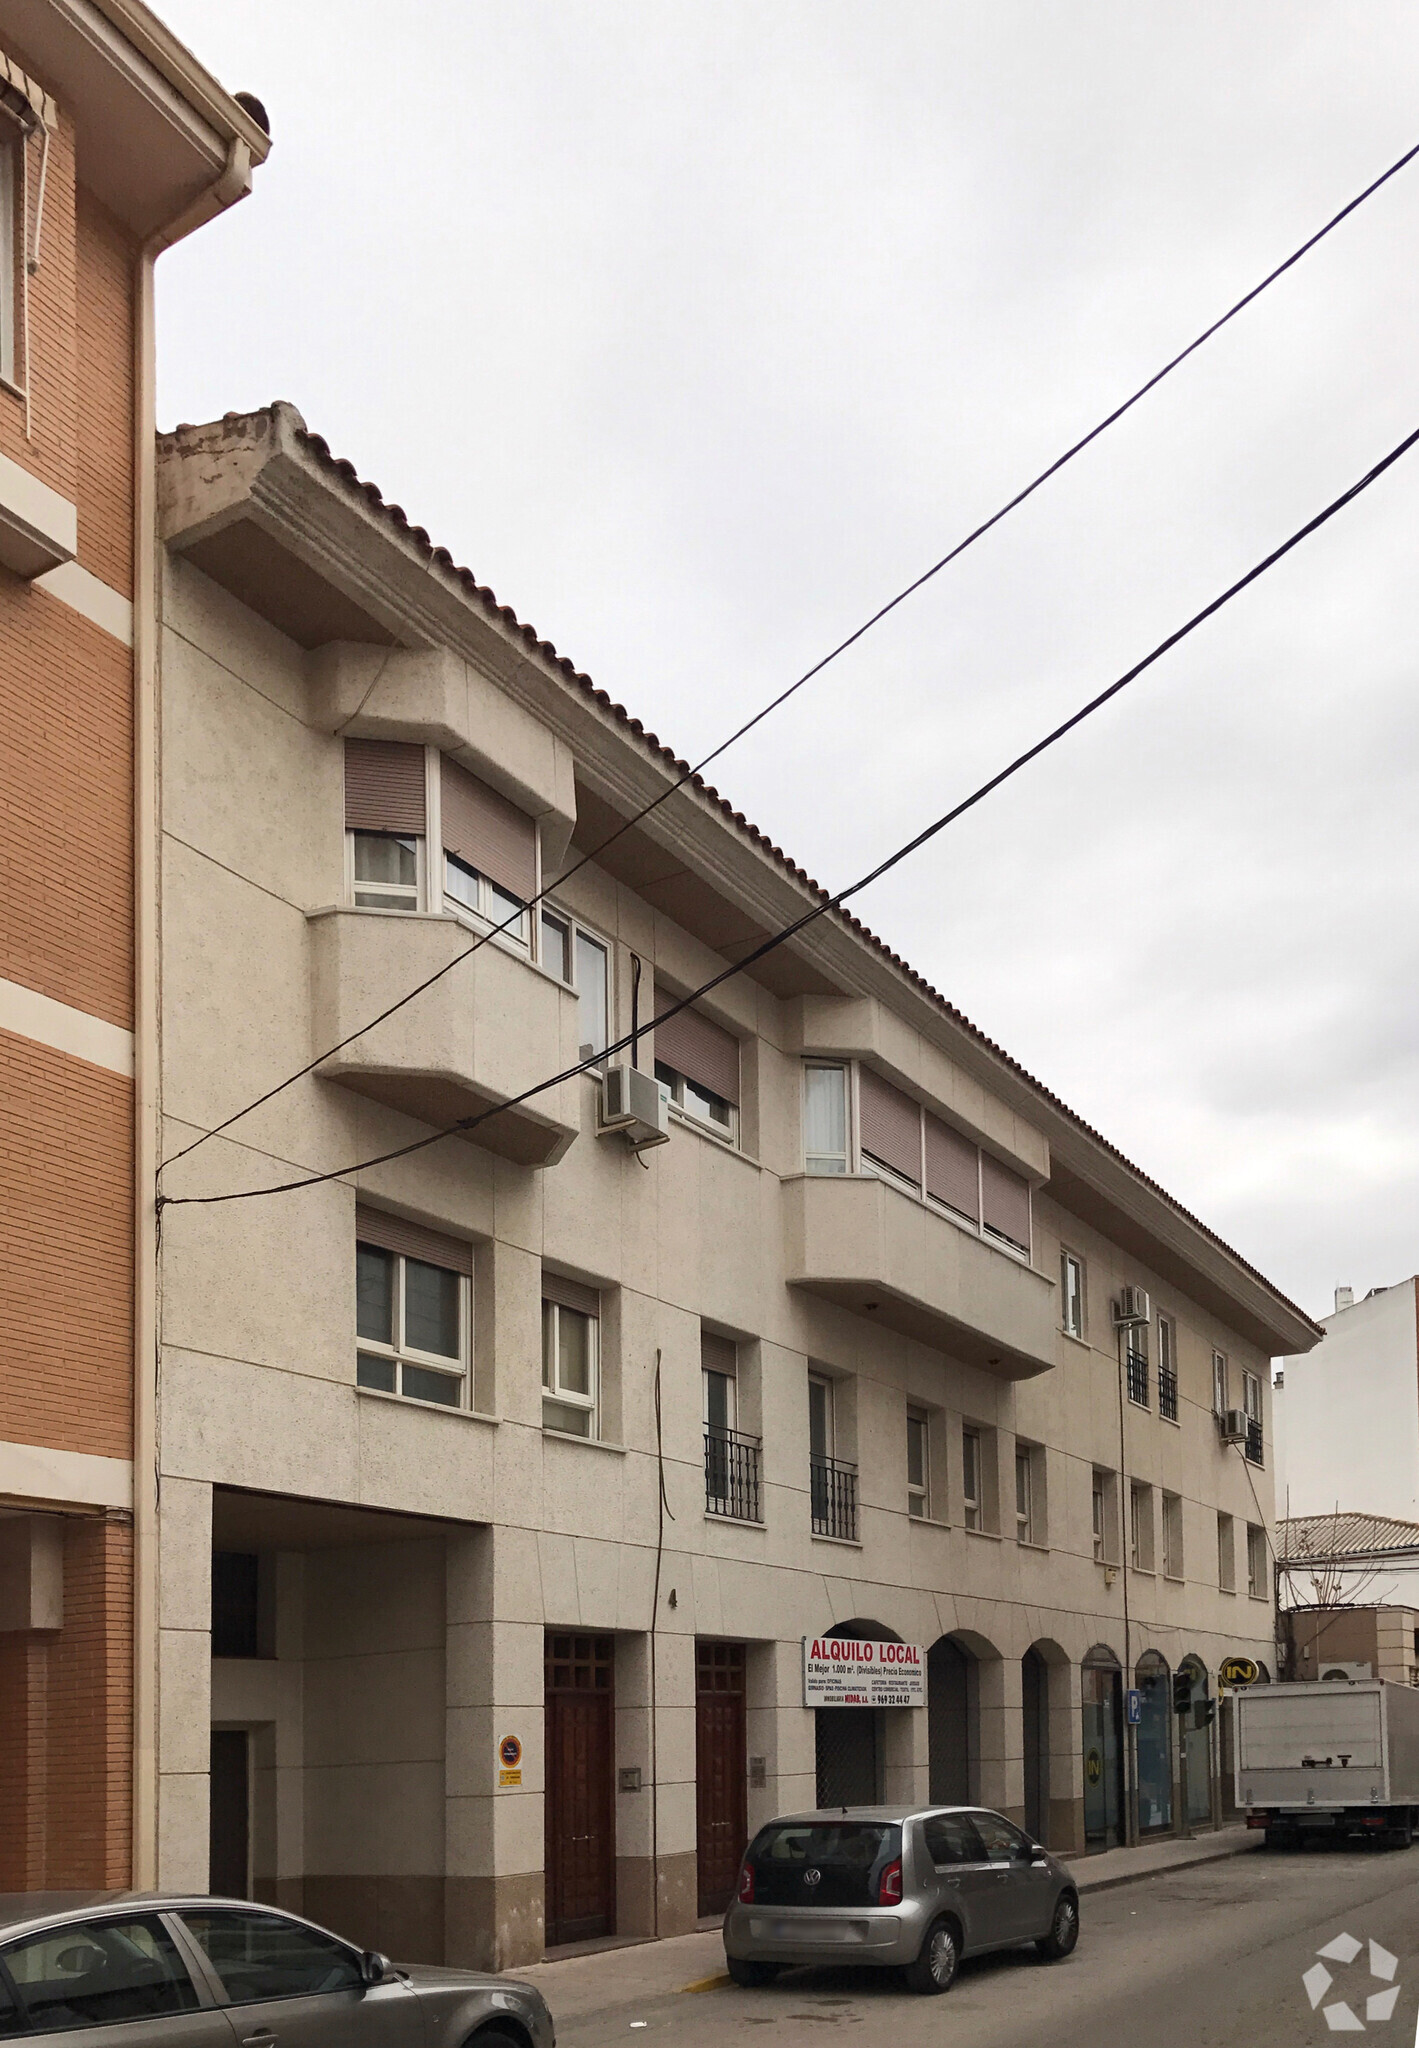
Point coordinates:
[[863, 1244], [490, 1028]]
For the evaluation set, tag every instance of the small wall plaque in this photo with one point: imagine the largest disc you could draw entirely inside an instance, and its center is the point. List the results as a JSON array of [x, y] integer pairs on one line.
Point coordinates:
[[758, 1772], [628, 1778]]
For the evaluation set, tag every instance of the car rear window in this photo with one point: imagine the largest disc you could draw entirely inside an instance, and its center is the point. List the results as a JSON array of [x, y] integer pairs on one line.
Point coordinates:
[[822, 1863]]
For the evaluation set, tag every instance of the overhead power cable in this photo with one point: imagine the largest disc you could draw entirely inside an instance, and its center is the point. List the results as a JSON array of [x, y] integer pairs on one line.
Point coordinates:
[[909, 590], [827, 903]]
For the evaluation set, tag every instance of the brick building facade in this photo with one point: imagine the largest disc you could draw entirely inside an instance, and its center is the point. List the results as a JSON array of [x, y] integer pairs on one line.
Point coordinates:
[[113, 144]]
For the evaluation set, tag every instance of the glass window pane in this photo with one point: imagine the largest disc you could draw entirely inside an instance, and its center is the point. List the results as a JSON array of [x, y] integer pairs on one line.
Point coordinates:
[[591, 988], [719, 1400], [461, 882], [1022, 1485], [575, 1421], [549, 1343], [421, 1385], [574, 1352], [825, 1115], [381, 857], [375, 1372], [970, 1446], [820, 1419], [374, 1293], [508, 910], [916, 1450], [257, 1955], [100, 1972], [430, 1309], [554, 944], [713, 1108]]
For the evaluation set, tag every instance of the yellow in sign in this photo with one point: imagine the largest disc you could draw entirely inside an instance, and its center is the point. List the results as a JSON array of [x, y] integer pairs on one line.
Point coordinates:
[[1239, 1671], [1093, 1766]]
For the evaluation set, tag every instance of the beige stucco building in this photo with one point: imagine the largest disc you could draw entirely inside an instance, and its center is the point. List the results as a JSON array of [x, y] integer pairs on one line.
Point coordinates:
[[502, 1481]]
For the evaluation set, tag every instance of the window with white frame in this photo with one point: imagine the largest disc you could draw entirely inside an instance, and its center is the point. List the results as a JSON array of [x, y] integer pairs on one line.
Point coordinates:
[[1071, 1293], [1140, 1526], [489, 854], [1256, 1561], [1167, 1369], [413, 1316], [697, 1062], [580, 960], [1219, 1383], [1172, 1536], [825, 1119], [1226, 1555], [1100, 1511], [571, 1334], [386, 814], [918, 1463], [464, 888], [10, 146], [900, 1141], [1024, 1495], [971, 1476]]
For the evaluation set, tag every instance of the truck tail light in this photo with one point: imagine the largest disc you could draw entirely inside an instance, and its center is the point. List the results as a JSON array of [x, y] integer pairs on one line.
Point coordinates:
[[889, 1885], [746, 1884]]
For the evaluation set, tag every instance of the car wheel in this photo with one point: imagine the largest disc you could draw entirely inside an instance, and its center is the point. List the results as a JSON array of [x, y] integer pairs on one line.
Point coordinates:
[[493, 2037], [935, 1968], [1063, 1933], [750, 1975]]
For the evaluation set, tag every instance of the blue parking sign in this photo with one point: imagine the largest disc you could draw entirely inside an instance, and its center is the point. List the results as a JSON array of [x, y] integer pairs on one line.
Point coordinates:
[[1133, 1706]]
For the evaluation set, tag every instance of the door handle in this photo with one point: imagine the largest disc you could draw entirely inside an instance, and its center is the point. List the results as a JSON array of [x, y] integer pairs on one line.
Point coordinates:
[[265, 2039]]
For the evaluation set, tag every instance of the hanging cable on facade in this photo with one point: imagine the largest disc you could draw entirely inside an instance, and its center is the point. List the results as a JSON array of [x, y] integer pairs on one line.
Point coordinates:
[[828, 903], [692, 774]]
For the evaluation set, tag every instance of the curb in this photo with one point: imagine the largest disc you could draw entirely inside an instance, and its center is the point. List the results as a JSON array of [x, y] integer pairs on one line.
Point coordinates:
[[1110, 1884]]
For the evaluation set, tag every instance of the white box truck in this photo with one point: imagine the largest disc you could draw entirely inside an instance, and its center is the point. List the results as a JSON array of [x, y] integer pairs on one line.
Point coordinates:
[[1330, 1756]]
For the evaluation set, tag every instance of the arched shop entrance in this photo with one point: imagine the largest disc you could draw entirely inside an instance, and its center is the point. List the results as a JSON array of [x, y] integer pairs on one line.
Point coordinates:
[[1034, 1707], [1196, 1730], [951, 1709], [1102, 1718], [849, 1742], [1155, 1745]]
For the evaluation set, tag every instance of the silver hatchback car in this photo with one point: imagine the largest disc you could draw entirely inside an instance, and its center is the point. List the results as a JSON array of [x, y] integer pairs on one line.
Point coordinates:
[[169, 1972], [909, 1888]]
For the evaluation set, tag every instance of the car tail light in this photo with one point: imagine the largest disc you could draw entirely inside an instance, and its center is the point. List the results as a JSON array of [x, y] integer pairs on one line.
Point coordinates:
[[889, 1885], [746, 1884]]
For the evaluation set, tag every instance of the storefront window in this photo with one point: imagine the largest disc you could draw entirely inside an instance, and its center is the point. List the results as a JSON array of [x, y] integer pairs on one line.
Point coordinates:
[[1103, 1750], [1197, 1747], [1155, 1745]]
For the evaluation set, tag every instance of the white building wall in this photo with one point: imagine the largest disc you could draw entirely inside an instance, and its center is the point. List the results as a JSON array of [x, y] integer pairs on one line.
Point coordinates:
[[1348, 1413]]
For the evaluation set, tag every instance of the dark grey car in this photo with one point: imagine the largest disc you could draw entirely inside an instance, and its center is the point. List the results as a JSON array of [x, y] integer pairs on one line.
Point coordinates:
[[171, 1972], [909, 1888]]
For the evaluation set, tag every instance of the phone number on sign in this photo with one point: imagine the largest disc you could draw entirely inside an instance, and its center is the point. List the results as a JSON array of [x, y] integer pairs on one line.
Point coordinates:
[[865, 1699]]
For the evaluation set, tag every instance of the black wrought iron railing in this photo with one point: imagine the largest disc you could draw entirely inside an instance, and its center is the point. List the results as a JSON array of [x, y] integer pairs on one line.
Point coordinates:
[[1254, 1443], [1137, 1368], [1167, 1394], [833, 1486], [732, 1475]]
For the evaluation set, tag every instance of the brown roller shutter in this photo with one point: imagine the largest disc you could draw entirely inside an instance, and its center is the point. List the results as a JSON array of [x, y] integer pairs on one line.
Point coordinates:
[[718, 1354], [384, 786], [393, 1234], [1006, 1199], [488, 832], [952, 1169], [699, 1050], [570, 1293], [889, 1125]]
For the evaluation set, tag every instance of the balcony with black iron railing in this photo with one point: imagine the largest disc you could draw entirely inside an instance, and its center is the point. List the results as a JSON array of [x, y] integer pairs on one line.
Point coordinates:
[[1253, 1446], [1167, 1394], [732, 1475], [833, 1487], [1137, 1367]]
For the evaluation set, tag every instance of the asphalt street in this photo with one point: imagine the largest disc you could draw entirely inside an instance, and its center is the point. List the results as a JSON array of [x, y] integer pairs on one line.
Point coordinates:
[[1207, 1958]]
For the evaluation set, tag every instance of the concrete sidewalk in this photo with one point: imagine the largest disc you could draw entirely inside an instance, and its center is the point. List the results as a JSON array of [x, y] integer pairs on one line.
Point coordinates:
[[647, 1970]]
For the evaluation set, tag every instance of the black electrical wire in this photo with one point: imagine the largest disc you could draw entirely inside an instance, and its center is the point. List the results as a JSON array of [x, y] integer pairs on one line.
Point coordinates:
[[842, 647], [827, 903]]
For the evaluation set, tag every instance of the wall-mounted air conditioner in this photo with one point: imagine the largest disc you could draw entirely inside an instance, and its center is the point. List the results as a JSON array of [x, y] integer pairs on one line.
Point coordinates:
[[1132, 1306], [1351, 1673], [636, 1105], [1233, 1425]]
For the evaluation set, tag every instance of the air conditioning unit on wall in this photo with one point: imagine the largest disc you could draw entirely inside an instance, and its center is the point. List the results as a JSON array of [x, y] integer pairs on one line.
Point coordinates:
[[1233, 1426], [636, 1105], [1132, 1306], [1348, 1672]]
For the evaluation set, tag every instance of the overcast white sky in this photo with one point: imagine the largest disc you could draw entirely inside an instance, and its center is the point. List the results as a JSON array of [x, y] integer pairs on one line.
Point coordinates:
[[697, 330]]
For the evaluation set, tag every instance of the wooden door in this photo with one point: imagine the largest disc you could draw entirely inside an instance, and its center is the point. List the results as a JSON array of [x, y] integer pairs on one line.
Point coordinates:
[[721, 1810], [229, 1839], [580, 1811]]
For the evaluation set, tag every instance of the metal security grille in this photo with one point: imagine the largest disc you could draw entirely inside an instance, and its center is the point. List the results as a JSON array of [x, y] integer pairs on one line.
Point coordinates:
[[848, 1756], [732, 1475], [1167, 1394], [833, 1486], [1254, 1443], [1138, 1378]]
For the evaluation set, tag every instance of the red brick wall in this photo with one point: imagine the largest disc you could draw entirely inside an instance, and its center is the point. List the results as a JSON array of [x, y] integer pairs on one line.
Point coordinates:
[[106, 257], [66, 1251], [51, 452]]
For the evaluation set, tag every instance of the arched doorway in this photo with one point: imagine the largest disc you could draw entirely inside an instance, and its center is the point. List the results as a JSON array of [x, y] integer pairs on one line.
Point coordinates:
[[951, 1709], [1196, 1727], [848, 1742], [1034, 1714], [1155, 1744], [1102, 1720]]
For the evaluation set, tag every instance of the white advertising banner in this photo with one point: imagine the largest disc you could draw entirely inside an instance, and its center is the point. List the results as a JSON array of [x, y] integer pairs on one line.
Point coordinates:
[[841, 1672]]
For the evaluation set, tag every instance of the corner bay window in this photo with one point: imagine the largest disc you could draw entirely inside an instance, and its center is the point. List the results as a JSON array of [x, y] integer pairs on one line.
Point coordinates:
[[901, 1142], [571, 1331], [412, 1290], [698, 1061], [489, 853], [385, 822]]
